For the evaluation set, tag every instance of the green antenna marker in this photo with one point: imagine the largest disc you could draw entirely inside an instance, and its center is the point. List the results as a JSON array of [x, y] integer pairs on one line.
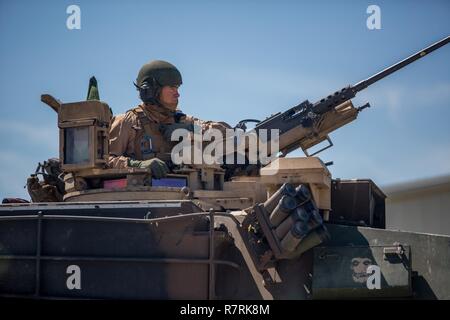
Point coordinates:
[[93, 90]]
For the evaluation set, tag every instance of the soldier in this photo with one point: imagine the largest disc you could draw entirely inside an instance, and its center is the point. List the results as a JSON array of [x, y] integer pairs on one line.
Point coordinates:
[[141, 137]]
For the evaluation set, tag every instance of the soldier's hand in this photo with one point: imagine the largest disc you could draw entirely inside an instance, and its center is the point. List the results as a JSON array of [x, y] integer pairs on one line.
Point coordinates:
[[157, 167], [168, 129]]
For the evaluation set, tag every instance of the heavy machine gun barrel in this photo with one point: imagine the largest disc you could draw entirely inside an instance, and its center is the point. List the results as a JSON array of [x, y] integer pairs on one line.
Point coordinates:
[[416, 56], [302, 125], [349, 92]]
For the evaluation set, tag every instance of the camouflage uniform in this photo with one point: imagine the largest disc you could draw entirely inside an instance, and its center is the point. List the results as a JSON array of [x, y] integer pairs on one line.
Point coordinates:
[[136, 134]]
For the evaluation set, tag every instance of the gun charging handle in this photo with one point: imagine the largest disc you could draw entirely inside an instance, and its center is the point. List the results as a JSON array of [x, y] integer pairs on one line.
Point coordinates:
[[242, 124], [367, 105]]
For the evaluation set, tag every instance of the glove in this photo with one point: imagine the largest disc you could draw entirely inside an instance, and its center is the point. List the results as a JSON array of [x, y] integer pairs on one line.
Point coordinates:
[[167, 129], [157, 167]]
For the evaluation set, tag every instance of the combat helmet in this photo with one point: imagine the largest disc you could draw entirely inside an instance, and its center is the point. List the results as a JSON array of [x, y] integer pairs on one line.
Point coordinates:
[[153, 76]]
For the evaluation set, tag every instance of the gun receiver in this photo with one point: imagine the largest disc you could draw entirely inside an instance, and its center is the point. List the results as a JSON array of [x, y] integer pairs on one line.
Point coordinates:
[[308, 124]]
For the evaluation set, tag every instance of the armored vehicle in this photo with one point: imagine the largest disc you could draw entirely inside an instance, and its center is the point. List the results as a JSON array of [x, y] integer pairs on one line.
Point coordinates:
[[282, 230]]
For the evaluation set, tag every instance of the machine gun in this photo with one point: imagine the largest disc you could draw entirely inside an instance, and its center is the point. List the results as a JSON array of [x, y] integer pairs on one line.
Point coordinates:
[[308, 124]]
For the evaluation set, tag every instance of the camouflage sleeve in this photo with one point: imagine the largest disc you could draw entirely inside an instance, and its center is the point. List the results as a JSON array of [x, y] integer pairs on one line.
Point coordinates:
[[121, 140]]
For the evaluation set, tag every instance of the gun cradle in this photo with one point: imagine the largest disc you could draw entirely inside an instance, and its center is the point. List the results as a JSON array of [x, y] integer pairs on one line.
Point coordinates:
[[326, 123]]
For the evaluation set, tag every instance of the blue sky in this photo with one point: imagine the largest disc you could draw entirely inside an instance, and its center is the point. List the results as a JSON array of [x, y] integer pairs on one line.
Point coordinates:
[[239, 59]]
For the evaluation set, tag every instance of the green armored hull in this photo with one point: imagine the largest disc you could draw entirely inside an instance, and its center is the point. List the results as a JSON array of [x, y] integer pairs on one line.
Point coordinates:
[[117, 250]]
